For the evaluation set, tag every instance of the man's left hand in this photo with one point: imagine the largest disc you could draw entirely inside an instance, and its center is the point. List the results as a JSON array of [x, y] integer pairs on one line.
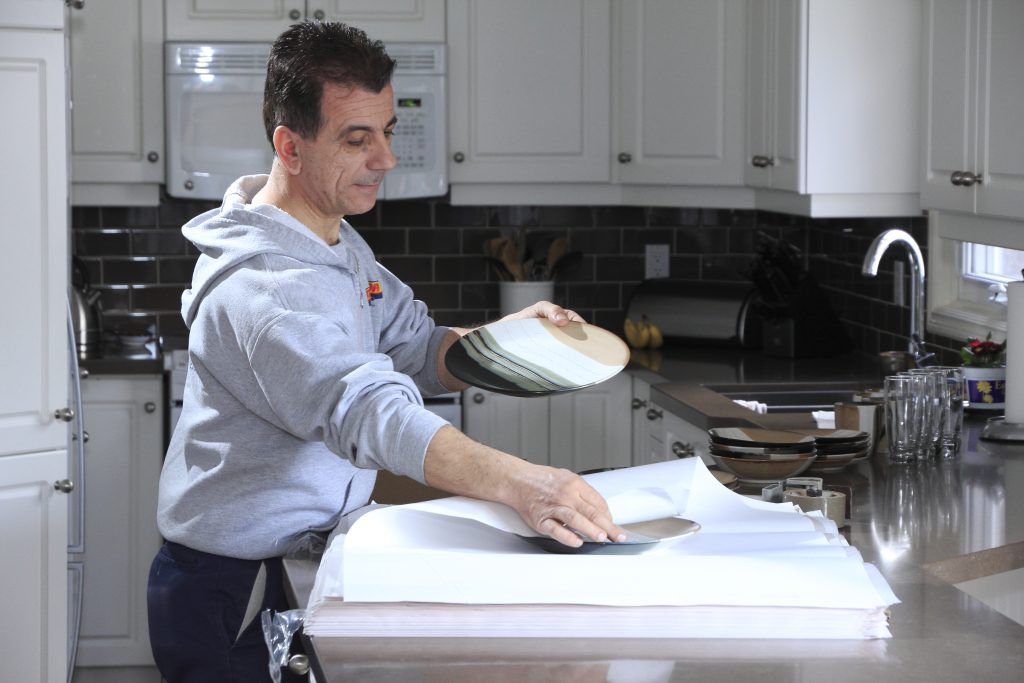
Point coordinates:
[[545, 309]]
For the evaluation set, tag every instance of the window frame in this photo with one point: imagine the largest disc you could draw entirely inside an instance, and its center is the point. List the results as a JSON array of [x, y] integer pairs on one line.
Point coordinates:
[[950, 313]]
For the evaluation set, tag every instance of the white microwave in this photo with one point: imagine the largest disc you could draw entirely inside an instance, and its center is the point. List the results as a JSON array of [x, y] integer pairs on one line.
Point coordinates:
[[214, 96]]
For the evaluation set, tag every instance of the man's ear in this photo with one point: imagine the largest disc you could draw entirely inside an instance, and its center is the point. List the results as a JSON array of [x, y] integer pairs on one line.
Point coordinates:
[[286, 145]]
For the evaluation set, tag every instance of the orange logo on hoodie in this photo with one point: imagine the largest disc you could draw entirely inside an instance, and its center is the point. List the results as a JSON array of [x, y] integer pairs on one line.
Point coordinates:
[[373, 291]]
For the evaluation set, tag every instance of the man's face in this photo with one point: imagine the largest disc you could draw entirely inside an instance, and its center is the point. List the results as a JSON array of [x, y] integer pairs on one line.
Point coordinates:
[[342, 168]]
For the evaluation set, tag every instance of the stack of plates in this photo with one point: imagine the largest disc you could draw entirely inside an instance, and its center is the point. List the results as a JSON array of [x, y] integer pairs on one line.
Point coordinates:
[[837, 448], [761, 456]]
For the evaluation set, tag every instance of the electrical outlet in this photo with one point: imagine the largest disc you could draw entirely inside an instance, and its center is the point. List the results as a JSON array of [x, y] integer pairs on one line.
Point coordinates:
[[656, 261]]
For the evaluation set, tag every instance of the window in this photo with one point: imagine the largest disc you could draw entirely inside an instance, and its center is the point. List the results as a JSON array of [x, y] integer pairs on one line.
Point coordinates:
[[966, 280]]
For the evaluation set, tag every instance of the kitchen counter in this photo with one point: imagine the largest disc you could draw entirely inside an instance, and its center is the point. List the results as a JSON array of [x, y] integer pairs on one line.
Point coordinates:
[[117, 359], [923, 526]]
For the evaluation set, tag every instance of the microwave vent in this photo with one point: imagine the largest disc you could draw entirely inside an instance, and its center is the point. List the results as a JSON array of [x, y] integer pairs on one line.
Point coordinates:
[[417, 59], [220, 59]]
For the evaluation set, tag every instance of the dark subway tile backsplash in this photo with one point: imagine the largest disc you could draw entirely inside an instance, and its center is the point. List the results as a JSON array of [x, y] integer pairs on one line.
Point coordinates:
[[141, 263]]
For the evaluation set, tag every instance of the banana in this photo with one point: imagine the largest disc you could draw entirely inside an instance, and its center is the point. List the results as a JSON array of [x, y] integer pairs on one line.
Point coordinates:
[[638, 335], [656, 340]]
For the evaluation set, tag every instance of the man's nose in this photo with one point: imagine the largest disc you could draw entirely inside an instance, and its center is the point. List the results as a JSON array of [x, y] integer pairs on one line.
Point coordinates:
[[384, 159]]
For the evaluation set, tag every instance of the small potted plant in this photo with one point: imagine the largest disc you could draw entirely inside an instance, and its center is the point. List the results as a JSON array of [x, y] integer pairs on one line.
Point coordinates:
[[984, 363]]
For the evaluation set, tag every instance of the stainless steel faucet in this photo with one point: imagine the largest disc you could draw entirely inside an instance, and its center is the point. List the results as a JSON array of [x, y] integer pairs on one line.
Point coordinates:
[[870, 269]]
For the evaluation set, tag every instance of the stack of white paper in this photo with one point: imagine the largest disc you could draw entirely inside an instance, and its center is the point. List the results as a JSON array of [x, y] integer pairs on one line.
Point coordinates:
[[455, 568]]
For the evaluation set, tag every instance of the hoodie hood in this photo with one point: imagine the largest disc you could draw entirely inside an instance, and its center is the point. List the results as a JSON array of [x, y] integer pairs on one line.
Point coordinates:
[[238, 231]]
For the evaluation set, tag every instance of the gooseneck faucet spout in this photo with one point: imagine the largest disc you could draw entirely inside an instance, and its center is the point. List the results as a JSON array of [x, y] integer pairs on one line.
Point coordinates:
[[870, 269]]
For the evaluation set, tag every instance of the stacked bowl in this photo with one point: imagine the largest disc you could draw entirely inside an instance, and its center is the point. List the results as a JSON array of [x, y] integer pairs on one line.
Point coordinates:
[[837, 449], [761, 456]]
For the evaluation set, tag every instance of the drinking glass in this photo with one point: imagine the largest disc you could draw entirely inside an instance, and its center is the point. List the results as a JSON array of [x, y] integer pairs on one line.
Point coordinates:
[[952, 421], [935, 404], [905, 416]]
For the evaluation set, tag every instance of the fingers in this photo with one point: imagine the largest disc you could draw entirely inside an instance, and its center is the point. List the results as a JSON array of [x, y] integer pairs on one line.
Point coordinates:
[[555, 313], [565, 507]]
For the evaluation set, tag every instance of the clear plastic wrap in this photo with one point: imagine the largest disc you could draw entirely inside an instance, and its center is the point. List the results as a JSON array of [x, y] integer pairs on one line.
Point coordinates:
[[278, 630]]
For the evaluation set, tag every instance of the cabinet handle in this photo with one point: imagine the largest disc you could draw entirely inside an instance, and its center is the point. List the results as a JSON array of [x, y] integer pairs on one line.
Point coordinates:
[[295, 15], [85, 437], [153, 157], [75, 4], [64, 414], [299, 664], [478, 398], [64, 485], [319, 15], [149, 407], [683, 450], [638, 403], [458, 157], [625, 157], [956, 177], [761, 161], [653, 414], [967, 179]]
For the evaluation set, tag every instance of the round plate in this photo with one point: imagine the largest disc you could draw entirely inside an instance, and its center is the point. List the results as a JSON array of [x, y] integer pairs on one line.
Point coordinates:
[[535, 357], [834, 436], [758, 438], [642, 537]]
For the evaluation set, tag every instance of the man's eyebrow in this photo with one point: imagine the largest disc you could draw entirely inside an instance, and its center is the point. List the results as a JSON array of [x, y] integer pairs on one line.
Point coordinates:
[[360, 127]]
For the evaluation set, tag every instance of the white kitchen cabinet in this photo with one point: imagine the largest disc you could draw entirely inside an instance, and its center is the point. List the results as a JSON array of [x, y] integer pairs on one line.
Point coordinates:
[[32, 14], [571, 92], [581, 430], [529, 87], [832, 106], [264, 20], [515, 425], [638, 415], [124, 454], [972, 138], [34, 373], [591, 428], [33, 241], [679, 83], [33, 567], [117, 120], [667, 436]]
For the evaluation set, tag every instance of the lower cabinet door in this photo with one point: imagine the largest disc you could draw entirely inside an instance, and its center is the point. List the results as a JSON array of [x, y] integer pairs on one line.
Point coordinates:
[[33, 567], [124, 419]]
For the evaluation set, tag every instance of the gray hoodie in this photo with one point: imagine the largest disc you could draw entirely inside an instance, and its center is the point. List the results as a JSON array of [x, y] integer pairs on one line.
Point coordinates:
[[306, 367]]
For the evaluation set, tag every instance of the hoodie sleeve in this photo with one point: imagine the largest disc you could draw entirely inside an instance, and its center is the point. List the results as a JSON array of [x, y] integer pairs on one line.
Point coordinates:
[[411, 338], [318, 387]]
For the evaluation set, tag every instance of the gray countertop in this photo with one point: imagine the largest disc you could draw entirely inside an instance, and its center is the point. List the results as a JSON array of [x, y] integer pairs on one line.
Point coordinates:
[[923, 526]]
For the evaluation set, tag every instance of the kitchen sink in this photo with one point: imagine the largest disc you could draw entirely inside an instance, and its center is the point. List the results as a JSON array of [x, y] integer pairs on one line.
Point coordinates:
[[791, 398]]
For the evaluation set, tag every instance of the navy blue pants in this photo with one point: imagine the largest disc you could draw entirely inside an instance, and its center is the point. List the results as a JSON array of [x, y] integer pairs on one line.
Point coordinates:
[[197, 605]]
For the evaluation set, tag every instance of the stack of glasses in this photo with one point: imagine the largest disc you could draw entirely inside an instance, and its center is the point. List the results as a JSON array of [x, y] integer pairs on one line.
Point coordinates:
[[924, 413]]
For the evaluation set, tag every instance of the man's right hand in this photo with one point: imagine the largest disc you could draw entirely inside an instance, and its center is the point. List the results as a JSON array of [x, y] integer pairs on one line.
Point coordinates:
[[553, 502]]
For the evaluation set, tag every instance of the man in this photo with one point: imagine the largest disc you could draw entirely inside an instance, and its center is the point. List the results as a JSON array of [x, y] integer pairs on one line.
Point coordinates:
[[307, 364]]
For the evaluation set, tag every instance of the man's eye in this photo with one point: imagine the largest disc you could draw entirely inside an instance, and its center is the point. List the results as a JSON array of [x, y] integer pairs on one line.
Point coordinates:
[[389, 133], [356, 142]]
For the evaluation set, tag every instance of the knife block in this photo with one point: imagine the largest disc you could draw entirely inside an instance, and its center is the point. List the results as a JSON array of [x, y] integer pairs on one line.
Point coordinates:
[[806, 327]]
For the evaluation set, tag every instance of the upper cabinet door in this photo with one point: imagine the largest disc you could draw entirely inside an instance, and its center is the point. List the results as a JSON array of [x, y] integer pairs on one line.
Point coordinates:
[[387, 20], [951, 61], [679, 85], [32, 14], [117, 131], [1000, 136], [231, 20], [529, 90], [264, 20], [974, 145], [776, 94], [33, 242]]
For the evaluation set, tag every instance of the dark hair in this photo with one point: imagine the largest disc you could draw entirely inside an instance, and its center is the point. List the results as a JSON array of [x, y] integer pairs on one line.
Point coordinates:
[[312, 53]]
